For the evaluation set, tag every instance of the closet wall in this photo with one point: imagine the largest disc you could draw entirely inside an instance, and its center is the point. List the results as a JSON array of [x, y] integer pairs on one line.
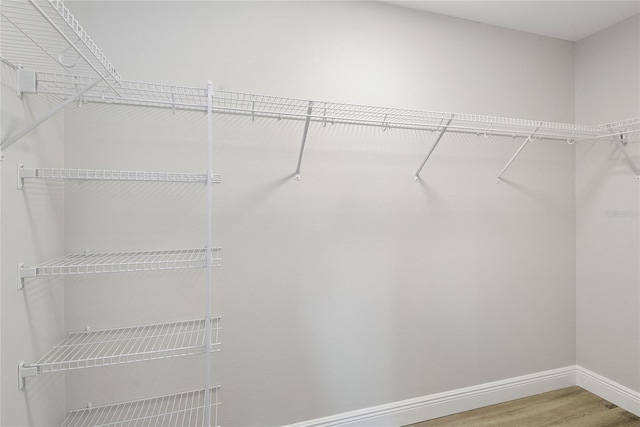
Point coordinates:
[[134, 216], [608, 205], [358, 286], [32, 230]]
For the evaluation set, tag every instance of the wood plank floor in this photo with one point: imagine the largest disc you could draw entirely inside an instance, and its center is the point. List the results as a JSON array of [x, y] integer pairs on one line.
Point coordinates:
[[571, 406]]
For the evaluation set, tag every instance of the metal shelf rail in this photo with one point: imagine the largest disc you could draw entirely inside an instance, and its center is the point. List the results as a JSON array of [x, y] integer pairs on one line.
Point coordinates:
[[89, 349], [179, 410], [120, 262]]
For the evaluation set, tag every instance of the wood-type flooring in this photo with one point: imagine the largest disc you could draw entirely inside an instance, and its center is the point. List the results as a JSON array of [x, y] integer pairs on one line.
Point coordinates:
[[571, 406]]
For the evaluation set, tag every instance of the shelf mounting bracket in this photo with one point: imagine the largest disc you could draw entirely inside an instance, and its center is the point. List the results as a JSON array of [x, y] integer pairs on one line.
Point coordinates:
[[24, 173], [25, 82], [443, 130], [623, 147], [23, 273], [530, 138], [25, 372], [304, 139], [8, 142]]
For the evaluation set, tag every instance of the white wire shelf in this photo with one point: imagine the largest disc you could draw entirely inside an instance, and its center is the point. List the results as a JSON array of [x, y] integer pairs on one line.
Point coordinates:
[[130, 92], [111, 175], [120, 262], [185, 409], [621, 127], [43, 35], [326, 113], [88, 349], [387, 118]]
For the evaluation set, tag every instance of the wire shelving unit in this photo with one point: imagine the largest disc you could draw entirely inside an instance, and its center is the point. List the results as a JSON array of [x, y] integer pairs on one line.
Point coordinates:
[[255, 106], [327, 113], [53, 55], [90, 349], [111, 175], [104, 347], [187, 409], [122, 262], [385, 118]]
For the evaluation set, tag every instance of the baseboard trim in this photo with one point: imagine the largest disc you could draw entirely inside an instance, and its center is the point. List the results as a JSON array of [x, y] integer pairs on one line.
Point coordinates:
[[612, 391], [451, 402]]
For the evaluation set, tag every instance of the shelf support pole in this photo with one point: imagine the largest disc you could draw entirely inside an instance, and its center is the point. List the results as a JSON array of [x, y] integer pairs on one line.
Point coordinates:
[[8, 142], [207, 334], [524, 144], [433, 147], [623, 148], [304, 139]]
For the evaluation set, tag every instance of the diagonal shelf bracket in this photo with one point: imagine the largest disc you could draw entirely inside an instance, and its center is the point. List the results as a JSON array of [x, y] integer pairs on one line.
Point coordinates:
[[443, 130], [8, 142], [304, 139], [622, 145], [530, 138]]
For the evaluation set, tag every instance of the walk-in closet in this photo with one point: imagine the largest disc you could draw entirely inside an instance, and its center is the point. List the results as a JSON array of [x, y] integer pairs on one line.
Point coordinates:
[[315, 213]]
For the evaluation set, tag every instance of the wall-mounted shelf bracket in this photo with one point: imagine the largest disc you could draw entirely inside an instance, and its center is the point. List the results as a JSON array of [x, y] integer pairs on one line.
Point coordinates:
[[25, 273], [304, 139], [530, 138], [25, 81], [443, 130], [8, 142], [24, 173], [622, 145], [25, 372]]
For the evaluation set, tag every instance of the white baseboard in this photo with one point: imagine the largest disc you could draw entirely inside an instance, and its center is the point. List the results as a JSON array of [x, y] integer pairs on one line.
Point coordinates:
[[615, 393], [451, 402]]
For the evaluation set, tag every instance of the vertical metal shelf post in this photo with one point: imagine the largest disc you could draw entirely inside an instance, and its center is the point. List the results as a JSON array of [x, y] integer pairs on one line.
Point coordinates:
[[207, 343]]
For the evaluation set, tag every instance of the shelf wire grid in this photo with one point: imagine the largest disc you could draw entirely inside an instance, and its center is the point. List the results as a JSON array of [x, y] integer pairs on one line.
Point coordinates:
[[621, 127], [279, 108], [130, 92], [185, 409], [386, 118], [106, 347], [118, 262], [43, 35], [117, 175], [327, 113]]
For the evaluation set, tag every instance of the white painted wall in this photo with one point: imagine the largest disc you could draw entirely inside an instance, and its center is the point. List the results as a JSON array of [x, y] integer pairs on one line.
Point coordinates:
[[608, 224], [32, 226], [356, 286]]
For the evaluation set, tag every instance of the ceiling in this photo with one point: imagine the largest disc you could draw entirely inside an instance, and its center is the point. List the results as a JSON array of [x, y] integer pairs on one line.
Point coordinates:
[[566, 20]]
